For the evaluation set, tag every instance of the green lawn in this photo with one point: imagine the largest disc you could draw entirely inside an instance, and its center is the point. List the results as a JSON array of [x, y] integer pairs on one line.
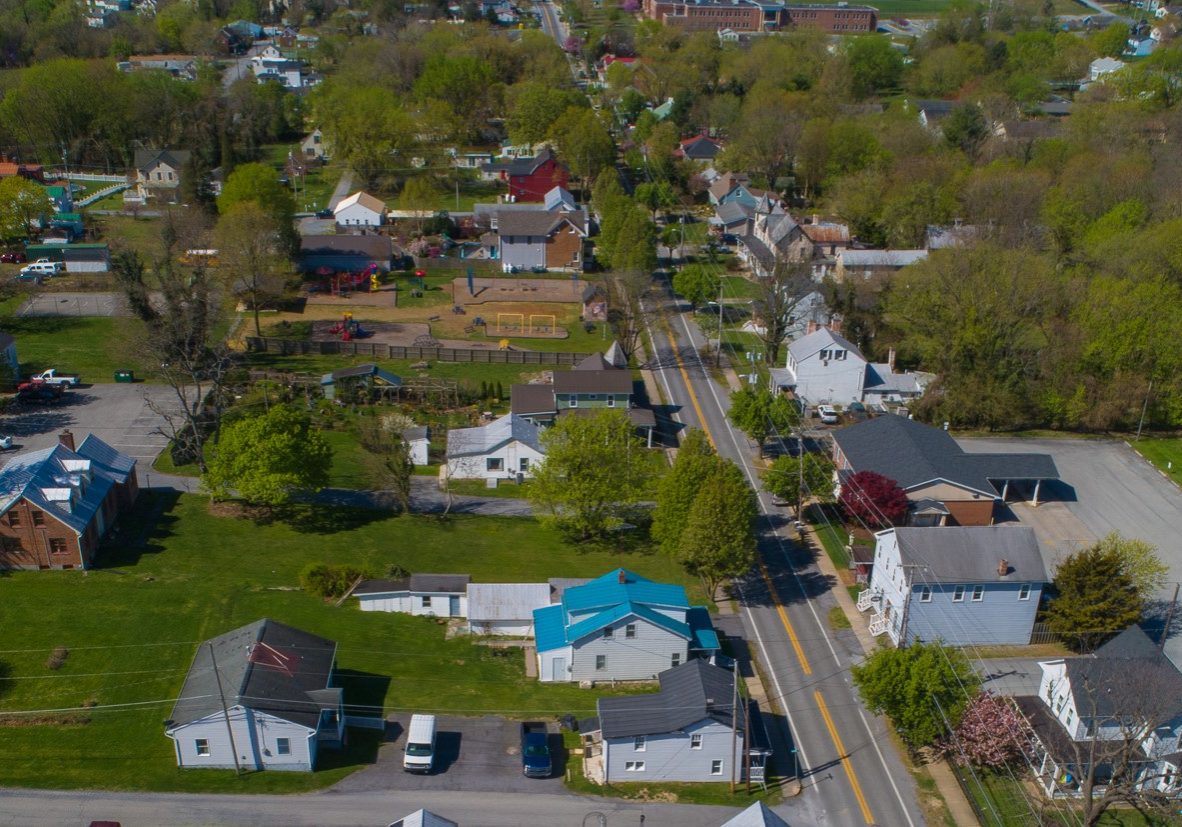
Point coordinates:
[[1166, 454], [1001, 799], [123, 232], [91, 347], [831, 537], [314, 190], [132, 626]]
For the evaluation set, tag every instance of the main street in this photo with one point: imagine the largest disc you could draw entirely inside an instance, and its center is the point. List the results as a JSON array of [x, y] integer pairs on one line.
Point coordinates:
[[847, 761]]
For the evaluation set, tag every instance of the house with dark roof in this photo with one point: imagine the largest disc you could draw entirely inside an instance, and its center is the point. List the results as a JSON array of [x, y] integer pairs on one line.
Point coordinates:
[[541, 239], [966, 586], [698, 148], [156, 174], [957, 487], [865, 265], [620, 626], [345, 253], [691, 730], [280, 706], [507, 448], [432, 595], [1126, 692], [57, 504], [775, 237], [529, 179]]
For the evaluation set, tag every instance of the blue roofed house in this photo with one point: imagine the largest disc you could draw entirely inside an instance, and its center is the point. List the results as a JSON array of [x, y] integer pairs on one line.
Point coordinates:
[[56, 504], [964, 585], [620, 626], [502, 449]]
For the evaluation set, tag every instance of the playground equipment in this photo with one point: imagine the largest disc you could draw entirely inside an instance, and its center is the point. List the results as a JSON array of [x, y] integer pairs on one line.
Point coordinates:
[[541, 323], [510, 322], [349, 330], [538, 323]]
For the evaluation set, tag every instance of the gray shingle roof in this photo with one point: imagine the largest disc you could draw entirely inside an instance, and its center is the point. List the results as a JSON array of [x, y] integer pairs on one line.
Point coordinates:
[[689, 693], [911, 454], [466, 442], [971, 554], [538, 222], [147, 158], [439, 582], [1128, 662], [611, 380], [377, 247], [266, 666], [532, 399]]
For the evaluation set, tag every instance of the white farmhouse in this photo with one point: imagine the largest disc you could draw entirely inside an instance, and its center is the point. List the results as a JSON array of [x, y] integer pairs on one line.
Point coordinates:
[[360, 210], [502, 449], [280, 705]]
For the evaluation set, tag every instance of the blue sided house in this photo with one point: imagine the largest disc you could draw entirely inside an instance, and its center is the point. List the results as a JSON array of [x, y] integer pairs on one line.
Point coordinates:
[[620, 626]]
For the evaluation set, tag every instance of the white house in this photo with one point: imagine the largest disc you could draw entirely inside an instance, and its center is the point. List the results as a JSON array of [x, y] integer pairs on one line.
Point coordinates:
[[418, 441], [313, 146], [1102, 66], [281, 707], [620, 626], [757, 815], [431, 595], [502, 449], [360, 210], [964, 585], [423, 818], [1127, 691], [691, 730], [505, 608]]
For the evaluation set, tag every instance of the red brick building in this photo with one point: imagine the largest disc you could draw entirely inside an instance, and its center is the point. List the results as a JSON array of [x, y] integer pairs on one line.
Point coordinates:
[[752, 16], [530, 179], [57, 504]]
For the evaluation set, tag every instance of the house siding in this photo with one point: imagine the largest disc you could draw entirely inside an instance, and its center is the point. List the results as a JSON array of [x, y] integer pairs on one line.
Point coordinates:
[[512, 628], [27, 546], [412, 603], [668, 757], [358, 215], [564, 249], [256, 738], [965, 508], [830, 381], [640, 658], [591, 400], [523, 251], [547, 664], [510, 454]]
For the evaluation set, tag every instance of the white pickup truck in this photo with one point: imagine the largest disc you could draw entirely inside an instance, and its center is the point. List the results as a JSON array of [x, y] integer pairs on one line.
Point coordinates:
[[52, 377]]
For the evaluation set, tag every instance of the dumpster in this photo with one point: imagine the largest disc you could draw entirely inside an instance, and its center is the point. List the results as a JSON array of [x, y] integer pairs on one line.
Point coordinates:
[[124, 376]]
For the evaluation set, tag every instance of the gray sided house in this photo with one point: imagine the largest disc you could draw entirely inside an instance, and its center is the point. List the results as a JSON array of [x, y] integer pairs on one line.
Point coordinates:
[[964, 585], [541, 239], [620, 626], [280, 709], [502, 449], [430, 595], [690, 731]]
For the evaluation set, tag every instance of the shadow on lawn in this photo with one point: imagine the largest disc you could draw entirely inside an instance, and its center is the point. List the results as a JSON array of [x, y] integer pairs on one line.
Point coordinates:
[[313, 518], [141, 531]]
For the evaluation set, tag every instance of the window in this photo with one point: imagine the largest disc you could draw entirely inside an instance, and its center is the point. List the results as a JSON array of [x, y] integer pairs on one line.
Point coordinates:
[[574, 401], [523, 464], [630, 630], [633, 766], [611, 401], [283, 746], [676, 659], [608, 632], [494, 464], [600, 662], [696, 741], [824, 354], [839, 355], [38, 517], [716, 766], [925, 595], [14, 519], [11, 545], [58, 546], [1070, 718], [1024, 592], [958, 594], [201, 746], [638, 743], [978, 594], [427, 602]]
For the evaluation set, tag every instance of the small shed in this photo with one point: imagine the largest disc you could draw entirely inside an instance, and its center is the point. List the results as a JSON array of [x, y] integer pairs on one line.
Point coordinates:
[[418, 440], [78, 258], [433, 595], [505, 608], [367, 375], [594, 300]]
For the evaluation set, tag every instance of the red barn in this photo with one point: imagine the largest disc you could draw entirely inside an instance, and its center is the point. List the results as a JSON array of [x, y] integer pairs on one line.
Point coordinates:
[[531, 178]]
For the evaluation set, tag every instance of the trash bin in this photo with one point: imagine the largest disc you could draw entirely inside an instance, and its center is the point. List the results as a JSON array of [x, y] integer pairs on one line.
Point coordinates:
[[124, 376]]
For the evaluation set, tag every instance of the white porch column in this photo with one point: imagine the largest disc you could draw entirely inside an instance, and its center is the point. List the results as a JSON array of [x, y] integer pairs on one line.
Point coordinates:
[[1005, 489], [1037, 485]]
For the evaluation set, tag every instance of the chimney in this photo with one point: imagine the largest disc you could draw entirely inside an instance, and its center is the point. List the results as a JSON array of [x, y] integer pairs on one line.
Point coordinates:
[[891, 359], [816, 219], [623, 577], [811, 327], [66, 438], [1003, 568], [835, 324]]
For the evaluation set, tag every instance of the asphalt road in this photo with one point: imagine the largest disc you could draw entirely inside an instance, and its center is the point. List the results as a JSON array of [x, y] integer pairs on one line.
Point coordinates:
[[850, 770]]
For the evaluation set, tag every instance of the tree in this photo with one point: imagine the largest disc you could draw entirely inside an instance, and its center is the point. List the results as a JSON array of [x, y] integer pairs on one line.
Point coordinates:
[[381, 437], [924, 689], [634, 248], [1139, 561], [535, 108], [697, 284], [719, 537], [464, 86], [260, 184], [875, 65], [965, 129], [22, 202], [656, 196], [1112, 40], [419, 196], [679, 488], [591, 476], [250, 254], [785, 476], [991, 733], [584, 144], [873, 499], [266, 459], [759, 413], [1094, 597], [777, 301]]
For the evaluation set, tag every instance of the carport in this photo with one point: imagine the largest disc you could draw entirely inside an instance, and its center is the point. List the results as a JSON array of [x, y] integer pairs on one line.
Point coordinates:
[[1018, 471]]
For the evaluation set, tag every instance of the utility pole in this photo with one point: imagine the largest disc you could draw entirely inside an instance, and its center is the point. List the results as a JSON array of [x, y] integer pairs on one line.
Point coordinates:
[[1144, 407], [1165, 633], [225, 712], [718, 352], [734, 730]]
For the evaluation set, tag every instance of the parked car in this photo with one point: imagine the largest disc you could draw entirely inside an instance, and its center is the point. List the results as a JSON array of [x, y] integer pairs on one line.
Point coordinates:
[[39, 392], [13, 257], [325, 214], [42, 267], [828, 414], [535, 750], [52, 377], [5, 443], [33, 278]]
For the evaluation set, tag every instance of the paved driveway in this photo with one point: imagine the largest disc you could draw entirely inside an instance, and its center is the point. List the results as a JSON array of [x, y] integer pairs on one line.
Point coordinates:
[[472, 754], [1010, 676], [117, 414]]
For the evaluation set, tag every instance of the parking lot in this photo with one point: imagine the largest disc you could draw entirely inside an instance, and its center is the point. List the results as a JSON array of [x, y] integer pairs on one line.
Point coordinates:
[[472, 754], [1106, 486], [74, 304], [117, 414]]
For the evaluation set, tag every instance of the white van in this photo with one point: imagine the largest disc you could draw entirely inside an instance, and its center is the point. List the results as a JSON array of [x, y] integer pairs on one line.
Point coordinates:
[[828, 414], [420, 744], [42, 268]]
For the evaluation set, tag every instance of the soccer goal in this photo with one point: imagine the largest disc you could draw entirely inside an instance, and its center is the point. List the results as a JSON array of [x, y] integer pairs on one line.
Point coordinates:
[[541, 323], [510, 322]]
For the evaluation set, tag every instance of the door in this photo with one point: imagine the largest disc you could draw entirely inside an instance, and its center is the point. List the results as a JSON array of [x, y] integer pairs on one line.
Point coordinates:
[[453, 606], [558, 669]]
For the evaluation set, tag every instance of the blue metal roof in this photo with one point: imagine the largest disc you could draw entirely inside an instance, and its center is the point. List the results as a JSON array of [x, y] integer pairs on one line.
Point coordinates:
[[606, 591], [549, 630], [702, 632]]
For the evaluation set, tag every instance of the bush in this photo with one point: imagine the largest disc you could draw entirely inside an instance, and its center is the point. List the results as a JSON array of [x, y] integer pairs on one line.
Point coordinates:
[[57, 658], [327, 581]]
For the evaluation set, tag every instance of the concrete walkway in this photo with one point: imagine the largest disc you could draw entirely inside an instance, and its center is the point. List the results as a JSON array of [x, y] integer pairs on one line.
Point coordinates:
[[341, 191]]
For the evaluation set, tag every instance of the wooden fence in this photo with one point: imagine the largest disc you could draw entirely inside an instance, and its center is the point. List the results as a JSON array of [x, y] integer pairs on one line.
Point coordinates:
[[289, 347]]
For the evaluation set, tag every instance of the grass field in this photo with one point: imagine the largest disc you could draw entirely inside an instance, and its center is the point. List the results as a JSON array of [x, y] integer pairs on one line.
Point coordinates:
[[91, 347], [1006, 804], [131, 627], [1165, 454]]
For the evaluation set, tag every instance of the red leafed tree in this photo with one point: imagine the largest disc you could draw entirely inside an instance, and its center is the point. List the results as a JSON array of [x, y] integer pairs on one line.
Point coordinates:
[[871, 498], [991, 733]]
